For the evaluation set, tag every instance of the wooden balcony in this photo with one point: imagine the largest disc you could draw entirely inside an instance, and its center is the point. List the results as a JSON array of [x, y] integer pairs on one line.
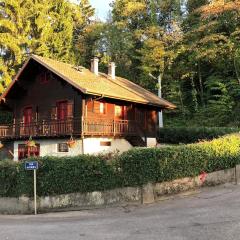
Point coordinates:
[[108, 127], [43, 128], [74, 126]]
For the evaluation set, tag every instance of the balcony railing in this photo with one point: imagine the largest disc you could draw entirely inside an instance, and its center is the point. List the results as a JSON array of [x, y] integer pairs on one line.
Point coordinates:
[[108, 127], [43, 128], [74, 126]]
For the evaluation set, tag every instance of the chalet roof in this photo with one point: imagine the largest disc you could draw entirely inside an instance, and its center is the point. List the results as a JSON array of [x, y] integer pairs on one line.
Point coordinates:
[[101, 85]]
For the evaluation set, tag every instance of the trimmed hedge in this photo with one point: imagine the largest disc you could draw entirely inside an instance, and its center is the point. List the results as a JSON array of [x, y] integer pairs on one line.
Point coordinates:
[[138, 166], [84, 173], [186, 135]]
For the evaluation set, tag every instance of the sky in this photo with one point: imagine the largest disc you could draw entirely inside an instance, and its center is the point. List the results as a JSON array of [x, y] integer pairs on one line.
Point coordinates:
[[102, 7]]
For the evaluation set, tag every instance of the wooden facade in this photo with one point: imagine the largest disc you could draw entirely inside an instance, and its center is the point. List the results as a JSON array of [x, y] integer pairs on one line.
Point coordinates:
[[44, 105]]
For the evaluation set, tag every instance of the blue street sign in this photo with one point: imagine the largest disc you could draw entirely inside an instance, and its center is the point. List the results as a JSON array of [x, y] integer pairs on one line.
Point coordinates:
[[31, 165]]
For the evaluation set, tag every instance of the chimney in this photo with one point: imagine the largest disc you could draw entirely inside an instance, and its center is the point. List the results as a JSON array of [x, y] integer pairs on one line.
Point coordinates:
[[111, 70], [94, 65]]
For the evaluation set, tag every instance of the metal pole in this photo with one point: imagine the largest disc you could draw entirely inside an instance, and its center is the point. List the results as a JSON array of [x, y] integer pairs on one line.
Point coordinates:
[[160, 95], [159, 79], [35, 190]]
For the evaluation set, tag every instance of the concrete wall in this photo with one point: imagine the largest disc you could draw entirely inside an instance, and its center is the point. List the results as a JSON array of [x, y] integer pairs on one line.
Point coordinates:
[[92, 145], [148, 193], [151, 142], [74, 201], [49, 147]]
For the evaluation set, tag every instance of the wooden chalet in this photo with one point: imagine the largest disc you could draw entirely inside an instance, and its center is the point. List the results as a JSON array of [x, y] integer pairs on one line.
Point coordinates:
[[52, 101]]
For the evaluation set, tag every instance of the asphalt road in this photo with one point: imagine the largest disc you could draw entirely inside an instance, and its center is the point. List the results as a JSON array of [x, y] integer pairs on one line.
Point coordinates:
[[212, 214]]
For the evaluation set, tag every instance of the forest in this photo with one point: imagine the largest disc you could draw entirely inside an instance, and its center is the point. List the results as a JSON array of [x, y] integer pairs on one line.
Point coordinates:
[[192, 46]]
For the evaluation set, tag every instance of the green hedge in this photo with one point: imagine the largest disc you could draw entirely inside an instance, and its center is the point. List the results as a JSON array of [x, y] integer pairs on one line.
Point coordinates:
[[178, 135], [133, 168], [140, 166], [59, 176]]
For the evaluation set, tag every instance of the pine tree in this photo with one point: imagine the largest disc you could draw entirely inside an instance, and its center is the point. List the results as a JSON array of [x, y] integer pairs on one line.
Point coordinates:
[[44, 27], [85, 32], [14, 32], [51, 29]]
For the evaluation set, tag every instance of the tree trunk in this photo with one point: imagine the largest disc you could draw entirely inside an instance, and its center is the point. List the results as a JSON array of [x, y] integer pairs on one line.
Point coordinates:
[[236, 70], [194, 95], [181, 101], [200, 84]]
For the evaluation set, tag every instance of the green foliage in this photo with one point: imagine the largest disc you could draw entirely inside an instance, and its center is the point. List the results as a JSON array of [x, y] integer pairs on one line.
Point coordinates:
[[208, 63], [47, 28], [59, 176], [176, 135], [8, 178], [6, 117], [192, 47], [79, 174], [138, 166]]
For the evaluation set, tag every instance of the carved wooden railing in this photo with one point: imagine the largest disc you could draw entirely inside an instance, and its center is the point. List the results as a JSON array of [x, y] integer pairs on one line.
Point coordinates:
[[72, 126], [108, 127], [6, 131], [41, 128]]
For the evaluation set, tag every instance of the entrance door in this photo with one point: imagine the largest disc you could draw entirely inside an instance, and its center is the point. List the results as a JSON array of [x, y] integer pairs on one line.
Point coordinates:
[[27, 115], [62, 110], [27, 129], [64, 124]]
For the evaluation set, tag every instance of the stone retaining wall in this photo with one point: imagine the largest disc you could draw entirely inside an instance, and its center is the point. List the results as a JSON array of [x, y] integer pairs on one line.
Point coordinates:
[[149, 193]]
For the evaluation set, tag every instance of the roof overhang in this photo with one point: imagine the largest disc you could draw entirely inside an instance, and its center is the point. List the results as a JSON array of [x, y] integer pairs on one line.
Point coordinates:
[[166, 105], [170, 106]]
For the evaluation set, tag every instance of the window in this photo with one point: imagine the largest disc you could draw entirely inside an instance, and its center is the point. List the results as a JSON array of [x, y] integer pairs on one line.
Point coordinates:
[[63, 147], [44, 78], [102, 108], [105, 143], [118, 111], [63, 110], [25, 152]]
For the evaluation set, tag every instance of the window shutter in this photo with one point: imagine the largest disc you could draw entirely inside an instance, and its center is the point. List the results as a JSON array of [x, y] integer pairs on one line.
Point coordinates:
[[96, 107], [70, 106]]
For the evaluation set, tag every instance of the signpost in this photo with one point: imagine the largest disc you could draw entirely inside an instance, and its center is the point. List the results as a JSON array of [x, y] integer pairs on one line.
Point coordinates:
[[33, 166]]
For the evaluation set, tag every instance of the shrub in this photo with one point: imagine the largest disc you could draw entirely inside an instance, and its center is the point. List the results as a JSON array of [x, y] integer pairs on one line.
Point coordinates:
[[84, 173], [178, 135], [140, 166], [136, 167], [76, 174]]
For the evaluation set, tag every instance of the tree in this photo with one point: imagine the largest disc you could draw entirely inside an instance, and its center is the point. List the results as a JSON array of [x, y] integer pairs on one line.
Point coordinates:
[[14, 31], [210, 57], [83, 21], [44, 27], [155, 29], [157, 56]]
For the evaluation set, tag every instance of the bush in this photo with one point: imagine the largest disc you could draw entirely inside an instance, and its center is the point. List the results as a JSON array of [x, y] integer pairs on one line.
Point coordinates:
[[76, 174], [192, 135], [140, 166], [136, 167], [84, 173]]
